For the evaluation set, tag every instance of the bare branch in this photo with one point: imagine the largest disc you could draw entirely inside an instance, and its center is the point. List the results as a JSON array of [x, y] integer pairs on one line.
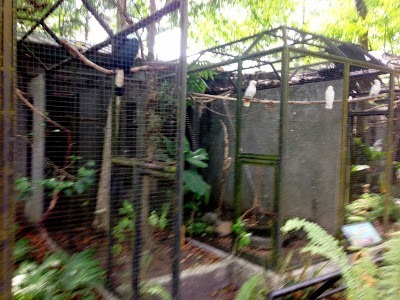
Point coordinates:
[[75, 53], [20, 96], [122, 12], [225, 167], [149, 67], [152, 67]]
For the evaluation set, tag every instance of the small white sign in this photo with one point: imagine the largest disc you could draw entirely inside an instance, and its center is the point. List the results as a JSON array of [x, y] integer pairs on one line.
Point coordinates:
[[361, 234]]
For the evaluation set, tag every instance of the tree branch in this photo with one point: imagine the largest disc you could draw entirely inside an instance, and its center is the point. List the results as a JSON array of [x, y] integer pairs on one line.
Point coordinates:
[[75, 53], [153, 66], [225, 167], [20, 96]]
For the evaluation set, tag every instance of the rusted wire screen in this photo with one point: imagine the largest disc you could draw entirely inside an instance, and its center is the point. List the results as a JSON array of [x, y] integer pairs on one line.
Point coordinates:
[[97, 142]]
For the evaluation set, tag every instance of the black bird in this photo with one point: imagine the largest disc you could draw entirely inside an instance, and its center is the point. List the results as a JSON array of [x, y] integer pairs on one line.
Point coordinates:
[[124, 53]]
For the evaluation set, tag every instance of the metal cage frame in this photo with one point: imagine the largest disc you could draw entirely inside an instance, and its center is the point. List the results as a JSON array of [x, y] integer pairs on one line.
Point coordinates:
[[290, 47]]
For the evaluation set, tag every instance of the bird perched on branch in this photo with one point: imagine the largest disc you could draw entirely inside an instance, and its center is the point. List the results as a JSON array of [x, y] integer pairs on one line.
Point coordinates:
[[124, 54], [250, 93], [329, 97], [375, 90]]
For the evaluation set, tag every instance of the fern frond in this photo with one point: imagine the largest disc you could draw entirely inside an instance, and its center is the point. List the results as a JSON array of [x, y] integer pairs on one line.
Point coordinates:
[[389, 285], [154, 289], [252, 290], [361, 279], [356, 276], [321, 242]]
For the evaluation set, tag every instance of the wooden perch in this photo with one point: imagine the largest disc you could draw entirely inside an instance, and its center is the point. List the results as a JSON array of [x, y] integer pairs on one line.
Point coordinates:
[[20, 96], [152, 67], [75, 53], [134, 162], [225, 167], [149, 67], [209, 98]]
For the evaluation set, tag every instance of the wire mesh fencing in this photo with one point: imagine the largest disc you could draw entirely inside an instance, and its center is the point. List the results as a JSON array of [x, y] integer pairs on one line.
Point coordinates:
[[277, 115], [281, 124], [97, 141]]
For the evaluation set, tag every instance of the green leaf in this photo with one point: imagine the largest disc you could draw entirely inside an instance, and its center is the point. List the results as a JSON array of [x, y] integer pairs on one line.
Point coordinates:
[[197, 163], [251, 288], [194, 182], [356, 168], [91, 163], [154, 289], [68, 192], [24, 187], [192, 206], [74, 157], [163, 222], [21, 250], [153, 219], [197, 157], [165, 209], [169, 145], [79, 187]]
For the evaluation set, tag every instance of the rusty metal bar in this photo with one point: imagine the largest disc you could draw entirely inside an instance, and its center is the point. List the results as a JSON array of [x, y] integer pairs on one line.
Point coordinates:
[[141, 24], [7, 212], [48, 13], [50, 32]]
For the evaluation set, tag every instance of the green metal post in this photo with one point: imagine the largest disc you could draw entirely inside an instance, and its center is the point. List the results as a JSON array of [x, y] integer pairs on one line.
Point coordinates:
[[344, 176], [180, 153], [237, 161], [389, 155], [283, 131]]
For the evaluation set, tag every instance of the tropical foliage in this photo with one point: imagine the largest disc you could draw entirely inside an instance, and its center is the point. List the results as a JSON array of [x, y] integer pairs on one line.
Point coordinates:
[[59, 276], [213, 22], [370, 207], [363, 279], [68, 184]]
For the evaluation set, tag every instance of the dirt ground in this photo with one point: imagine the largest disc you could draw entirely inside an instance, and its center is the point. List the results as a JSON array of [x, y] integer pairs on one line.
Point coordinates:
[[161, 249]]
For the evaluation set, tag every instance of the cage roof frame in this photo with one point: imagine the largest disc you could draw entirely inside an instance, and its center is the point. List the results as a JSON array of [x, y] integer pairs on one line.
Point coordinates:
[[337, 56], [43, 18], [168, 8]]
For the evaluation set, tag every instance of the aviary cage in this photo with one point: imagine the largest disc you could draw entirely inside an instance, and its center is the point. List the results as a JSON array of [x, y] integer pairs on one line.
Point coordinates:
[[98, 160], [307, 143], [98, 135]]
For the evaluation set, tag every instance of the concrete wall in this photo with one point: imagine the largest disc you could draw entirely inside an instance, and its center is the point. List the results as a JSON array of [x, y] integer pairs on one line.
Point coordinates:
[[34, 206], [310, 181]]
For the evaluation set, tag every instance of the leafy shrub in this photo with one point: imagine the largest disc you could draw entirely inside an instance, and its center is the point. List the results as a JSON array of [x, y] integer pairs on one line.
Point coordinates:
[[197, 227], [243, 238], [160, 221], [254, 288], [124, 229], [21, 250], [363, 279], [59, 276], [369, 207], [69, 185]]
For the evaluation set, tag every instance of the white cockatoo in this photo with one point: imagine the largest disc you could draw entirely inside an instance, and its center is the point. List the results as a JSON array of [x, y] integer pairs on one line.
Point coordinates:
[[250, 93], [375, 90], [329, 97]]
